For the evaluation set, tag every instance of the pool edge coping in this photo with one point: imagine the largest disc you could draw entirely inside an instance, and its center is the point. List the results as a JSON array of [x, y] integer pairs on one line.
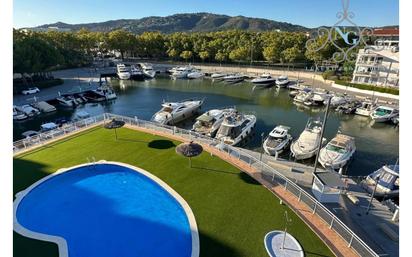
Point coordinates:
[[61, 242]]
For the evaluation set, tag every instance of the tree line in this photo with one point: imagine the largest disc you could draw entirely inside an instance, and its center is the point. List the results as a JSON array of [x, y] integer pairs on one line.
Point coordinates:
[[41, 51]]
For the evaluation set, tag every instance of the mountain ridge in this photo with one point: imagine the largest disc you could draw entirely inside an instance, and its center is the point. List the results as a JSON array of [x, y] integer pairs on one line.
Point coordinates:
[[183, 22]]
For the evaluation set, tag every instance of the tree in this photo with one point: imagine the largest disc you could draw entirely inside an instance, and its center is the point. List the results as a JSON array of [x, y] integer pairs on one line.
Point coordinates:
[[291, 54], [221, 57], [186, 55], [239, 54], [204, 55], [270, 53], [173, 53], [122, 41]]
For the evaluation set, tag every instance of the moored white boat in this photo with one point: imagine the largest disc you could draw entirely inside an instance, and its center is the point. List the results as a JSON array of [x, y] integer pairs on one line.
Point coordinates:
[[387, 180], [174, 112], [195, 74], [308, 142], [303, 96], [209, 122], [66, 101], [18, 115], [282, 81], [234, 78], [218, 76], [28, 110], [278, 139], [365, 109], [148, 70], [105, 91], [264, 80], [122, 71], [136, 73], [235, 127], [337, 152], [384, 114], [44, 107]]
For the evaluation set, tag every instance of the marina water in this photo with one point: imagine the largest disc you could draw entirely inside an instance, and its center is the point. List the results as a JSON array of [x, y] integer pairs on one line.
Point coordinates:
[[377, 144]]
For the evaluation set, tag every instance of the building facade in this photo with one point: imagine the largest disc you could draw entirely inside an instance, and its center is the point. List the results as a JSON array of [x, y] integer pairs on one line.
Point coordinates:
[[379, 66]]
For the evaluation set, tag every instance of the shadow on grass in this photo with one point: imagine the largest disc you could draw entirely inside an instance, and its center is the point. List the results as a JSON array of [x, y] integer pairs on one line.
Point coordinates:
[[161, 144], [25, 173], [248, 179], [213, 170]]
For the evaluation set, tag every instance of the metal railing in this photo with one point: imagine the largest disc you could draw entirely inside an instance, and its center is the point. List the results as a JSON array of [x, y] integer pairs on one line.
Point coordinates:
[[268, 173]]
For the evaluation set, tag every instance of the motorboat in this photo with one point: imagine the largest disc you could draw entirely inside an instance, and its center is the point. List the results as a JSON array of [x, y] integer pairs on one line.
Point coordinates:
[[182, 72], [44, 106], [264, 80], [278, 139], [209, 122], [148, 70], [320, 95], [81, 115], [105, 91], [48, 126], [282, 81], [29, 134], [18, 115], [303, 96], [337, 152], [348, 108], [218, 76], [235, 127], [337, 99], [295, 89], [384, 114], [66, 101], [136, 73], [174, 112], [195, 74], [366, 108], [234, 78], [28, 110], [122, 71], [309, 140], [386, 181]]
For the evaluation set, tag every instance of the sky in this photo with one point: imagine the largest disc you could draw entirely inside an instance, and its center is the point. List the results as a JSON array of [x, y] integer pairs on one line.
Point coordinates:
[[314, 13]]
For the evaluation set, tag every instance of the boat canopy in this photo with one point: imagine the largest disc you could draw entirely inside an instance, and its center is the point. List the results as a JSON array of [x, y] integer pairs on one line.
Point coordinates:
[[205, 118]]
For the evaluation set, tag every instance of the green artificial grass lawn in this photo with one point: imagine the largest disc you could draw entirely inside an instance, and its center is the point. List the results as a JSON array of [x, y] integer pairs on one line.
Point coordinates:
[[232, 211]]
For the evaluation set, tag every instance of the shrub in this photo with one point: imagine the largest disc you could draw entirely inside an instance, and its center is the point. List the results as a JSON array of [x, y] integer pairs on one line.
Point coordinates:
[[388, 90]]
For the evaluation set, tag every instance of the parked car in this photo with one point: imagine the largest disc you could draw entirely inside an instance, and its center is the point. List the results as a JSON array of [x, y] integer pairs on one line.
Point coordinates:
[[31, 90]]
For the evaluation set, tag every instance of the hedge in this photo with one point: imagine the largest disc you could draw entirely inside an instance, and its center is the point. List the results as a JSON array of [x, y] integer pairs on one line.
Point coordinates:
[[388, 90]]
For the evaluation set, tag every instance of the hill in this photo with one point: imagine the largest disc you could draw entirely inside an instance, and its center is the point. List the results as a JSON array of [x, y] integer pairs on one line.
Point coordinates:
[[187, 22]]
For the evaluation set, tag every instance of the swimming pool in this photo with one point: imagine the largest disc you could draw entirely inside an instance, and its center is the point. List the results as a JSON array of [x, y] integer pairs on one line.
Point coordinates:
[[107, 209]]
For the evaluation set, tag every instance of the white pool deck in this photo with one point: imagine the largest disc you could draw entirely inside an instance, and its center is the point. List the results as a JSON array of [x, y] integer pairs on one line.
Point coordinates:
[[61, 242]]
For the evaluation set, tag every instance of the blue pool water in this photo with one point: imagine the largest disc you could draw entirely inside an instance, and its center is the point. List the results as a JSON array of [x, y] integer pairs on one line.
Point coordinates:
[[109, 210]]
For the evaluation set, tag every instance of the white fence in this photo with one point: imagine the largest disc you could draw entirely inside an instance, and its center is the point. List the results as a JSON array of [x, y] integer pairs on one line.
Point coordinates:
[[267, 172]]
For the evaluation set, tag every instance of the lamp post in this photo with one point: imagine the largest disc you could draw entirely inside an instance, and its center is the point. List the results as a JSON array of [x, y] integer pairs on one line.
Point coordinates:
[[373, 195], [287, 220], [261, 150]]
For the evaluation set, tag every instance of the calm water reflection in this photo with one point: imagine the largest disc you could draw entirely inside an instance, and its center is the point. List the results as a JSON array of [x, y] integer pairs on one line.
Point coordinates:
[[377, 144]]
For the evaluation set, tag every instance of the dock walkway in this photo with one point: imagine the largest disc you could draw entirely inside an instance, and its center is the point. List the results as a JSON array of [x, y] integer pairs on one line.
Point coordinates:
[[367, 226]]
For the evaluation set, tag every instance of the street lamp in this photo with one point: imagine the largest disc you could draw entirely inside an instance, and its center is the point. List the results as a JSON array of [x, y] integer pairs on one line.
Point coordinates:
[[373, 195], [287, 220], [261, 150]]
